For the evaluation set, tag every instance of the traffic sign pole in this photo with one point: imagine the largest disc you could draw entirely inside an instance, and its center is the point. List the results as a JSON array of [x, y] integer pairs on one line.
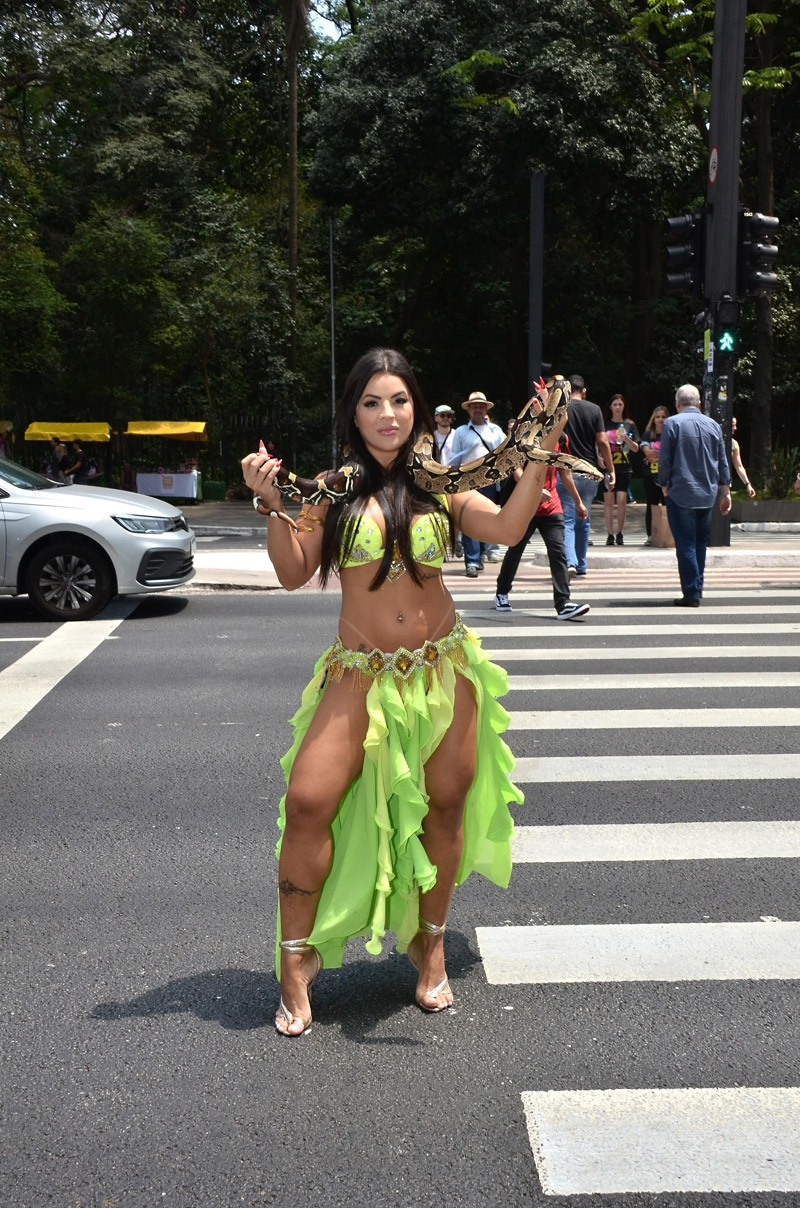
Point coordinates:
[[722, 223]]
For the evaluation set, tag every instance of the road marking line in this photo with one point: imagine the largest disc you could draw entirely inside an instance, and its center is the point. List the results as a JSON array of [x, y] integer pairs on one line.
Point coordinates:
[[657, 679], [609, 769], [698, 1139], [634, 952], [666, 719], [539, 654], [572, 630], [544, 594], [657, 610], [656, 841], [32, 640], [31, 677]]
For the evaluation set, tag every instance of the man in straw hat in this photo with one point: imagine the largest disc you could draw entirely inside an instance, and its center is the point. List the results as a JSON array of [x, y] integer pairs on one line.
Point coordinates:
[[471, 441]]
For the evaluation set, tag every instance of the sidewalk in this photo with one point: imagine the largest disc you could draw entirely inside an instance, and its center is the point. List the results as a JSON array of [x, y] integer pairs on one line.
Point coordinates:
[[751, 546]]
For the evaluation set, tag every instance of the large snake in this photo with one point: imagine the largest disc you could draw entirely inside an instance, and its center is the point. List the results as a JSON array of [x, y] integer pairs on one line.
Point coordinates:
[[522, 444]]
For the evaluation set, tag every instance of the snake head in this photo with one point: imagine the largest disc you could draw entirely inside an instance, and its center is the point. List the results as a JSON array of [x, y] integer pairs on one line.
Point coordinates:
[[558, 396]]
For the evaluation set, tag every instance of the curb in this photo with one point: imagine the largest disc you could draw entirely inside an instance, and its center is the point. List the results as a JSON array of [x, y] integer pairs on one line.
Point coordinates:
[[655, 559]]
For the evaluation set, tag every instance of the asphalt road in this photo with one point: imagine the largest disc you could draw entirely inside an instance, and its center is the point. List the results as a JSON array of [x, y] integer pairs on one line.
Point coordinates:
[[140, 1065]]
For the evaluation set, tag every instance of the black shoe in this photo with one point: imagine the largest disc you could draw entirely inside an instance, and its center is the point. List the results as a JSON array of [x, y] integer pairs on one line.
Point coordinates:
[[610, 539], [620, 539], [686, 602]]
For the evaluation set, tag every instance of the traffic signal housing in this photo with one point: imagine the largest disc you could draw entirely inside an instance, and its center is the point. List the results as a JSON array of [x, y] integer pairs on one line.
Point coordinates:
[[726, 325], [686, 241], [757, 254]]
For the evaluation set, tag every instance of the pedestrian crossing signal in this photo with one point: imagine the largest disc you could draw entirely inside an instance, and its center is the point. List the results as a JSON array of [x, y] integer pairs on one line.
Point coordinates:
[[728, 315]]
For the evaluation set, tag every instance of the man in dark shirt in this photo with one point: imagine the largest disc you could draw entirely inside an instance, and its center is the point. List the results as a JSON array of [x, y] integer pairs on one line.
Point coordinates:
[[693, 472], [586, 433], [79, 470]]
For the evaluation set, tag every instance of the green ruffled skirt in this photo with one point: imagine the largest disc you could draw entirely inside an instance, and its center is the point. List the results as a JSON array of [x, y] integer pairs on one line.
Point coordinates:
[[379, 863]]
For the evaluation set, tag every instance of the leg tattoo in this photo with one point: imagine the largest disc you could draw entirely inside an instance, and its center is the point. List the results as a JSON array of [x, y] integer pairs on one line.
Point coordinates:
[[288, 887]]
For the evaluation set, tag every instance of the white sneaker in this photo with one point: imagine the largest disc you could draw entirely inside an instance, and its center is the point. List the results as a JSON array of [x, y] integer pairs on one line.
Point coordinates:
[[501, 603], [573, 570], [572, 612], [472, 571]]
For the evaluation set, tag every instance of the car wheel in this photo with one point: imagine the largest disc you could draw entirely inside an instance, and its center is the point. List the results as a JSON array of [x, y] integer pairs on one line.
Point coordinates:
[[69, 581]]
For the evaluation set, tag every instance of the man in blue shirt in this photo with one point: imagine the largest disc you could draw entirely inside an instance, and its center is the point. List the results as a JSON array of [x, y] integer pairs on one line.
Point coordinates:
[[471, 441], [693, 473]]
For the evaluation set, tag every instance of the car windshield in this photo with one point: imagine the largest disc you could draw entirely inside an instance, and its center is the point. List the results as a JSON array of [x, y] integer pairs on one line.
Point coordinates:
[[27, 480]]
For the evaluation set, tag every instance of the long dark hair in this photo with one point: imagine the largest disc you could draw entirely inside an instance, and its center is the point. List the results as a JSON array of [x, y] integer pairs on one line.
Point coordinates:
[[393, 488], [609, 413]]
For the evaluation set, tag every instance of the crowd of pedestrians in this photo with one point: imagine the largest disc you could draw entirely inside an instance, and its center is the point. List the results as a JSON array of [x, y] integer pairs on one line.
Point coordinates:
[[685, 471]]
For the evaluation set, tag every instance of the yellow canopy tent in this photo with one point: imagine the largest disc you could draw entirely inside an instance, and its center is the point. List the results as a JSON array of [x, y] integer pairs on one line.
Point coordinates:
[[182, 429], [67, 431]]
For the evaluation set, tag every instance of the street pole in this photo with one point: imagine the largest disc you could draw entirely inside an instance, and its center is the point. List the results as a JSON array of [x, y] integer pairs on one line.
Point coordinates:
[[722, 217], [535, 281], [334, 451]]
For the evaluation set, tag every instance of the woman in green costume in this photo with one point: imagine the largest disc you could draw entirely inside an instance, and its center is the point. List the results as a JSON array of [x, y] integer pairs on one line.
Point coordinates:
[[397, 779]]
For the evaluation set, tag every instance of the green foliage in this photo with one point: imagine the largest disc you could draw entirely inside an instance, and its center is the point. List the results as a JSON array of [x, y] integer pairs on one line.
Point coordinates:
[[144, 191], [467, 73], [782, 471]]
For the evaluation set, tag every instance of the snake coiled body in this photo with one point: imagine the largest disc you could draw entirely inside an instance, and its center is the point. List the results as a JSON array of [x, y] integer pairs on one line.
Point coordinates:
[[521, 445]]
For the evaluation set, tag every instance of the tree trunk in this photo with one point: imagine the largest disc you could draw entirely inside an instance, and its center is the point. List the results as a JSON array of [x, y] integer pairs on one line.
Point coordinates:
[[294, 15], [645, 287]]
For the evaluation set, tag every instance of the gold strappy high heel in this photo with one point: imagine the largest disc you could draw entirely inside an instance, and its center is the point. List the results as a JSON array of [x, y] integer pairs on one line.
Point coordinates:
[[426, 928], [299, 947]]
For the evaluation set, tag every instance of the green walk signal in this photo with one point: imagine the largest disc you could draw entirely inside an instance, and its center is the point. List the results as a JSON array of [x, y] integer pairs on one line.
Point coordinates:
[[726, 324]]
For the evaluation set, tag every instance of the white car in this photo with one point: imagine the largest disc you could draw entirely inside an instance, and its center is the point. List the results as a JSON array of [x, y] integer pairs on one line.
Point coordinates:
[[72, 548]]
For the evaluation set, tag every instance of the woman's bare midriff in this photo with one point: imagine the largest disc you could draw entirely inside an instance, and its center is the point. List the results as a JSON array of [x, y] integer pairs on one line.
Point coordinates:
[[397, 614]]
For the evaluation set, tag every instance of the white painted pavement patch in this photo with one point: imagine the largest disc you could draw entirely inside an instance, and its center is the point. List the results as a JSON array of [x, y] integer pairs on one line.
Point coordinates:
[[535, 653], [661, 719], [656, 679], [696, 1139], [656, 841], [609, 769], [249, 560], [31, 677], [543, 593], [635, 952], [559, 630], [656, 609]]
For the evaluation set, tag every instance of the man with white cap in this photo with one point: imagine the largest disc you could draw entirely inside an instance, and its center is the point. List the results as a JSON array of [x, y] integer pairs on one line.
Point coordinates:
[[471, 441], [444, 435]]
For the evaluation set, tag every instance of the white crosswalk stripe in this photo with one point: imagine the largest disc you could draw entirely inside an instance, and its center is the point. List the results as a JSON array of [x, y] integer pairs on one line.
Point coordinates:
[[615, 1140], [701, 1139], [570, 769], [655, 679], [673, 719], [623, 952], [690, 626], [657, 841], [540, 654]]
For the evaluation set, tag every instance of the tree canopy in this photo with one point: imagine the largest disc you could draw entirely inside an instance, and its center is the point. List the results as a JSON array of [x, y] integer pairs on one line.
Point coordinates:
[[166, 251]]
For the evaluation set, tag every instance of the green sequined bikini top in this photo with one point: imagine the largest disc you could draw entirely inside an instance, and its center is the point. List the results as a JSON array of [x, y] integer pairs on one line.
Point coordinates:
[[429, 536]]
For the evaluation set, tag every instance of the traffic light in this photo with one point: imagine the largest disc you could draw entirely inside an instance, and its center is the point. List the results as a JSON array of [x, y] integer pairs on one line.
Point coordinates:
[[726, 327], [757, 254], [686, 238], [703, 326]]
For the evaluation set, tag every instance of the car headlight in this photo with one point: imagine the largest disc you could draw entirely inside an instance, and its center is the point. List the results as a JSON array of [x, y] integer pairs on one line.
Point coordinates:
[[151, 524]]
